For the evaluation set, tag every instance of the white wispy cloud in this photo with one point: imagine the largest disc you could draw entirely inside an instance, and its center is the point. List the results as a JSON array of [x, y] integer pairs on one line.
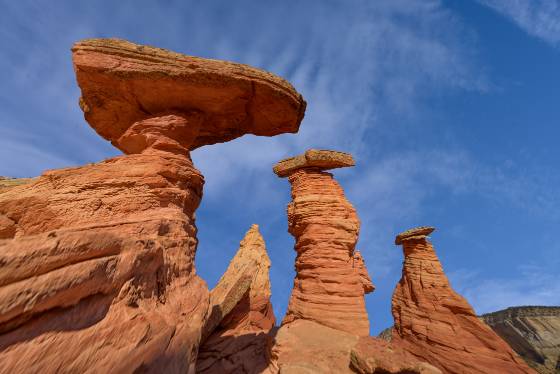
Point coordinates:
[[539, 18], [530, 285]]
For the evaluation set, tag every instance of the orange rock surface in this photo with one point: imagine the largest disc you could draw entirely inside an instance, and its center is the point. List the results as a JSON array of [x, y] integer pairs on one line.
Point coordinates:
[[306, 347], [98, 275], [123, 83], [240, 343], [436, 324], [97, 261], [329, 286]]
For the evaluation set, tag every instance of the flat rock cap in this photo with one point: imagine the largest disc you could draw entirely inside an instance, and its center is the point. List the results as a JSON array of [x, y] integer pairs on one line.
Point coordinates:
[[314, 158], [122, 83], [415, 233]]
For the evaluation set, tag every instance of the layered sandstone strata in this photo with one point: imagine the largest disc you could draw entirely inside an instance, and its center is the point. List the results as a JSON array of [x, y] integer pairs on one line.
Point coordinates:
[[533, 332], [330, 281], [240, 342], [98, 261], [436, 324]]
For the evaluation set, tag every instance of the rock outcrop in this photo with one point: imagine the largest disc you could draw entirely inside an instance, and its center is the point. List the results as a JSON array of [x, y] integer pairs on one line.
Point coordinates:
[[533, 332], [241, 341], [97, 261], [307, 347], [330, 284], [436, 324]]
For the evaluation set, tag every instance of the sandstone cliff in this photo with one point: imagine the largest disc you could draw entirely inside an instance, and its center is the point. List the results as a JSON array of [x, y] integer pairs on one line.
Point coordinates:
[[436, 324], [533, 332], [98, 261]]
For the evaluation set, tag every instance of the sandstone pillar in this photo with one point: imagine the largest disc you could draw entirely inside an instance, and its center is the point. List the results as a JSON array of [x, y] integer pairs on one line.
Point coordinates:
[[330, 284], [436, 324]]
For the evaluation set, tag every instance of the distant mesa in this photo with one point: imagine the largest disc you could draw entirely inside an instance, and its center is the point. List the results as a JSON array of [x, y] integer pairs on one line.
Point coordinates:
[[533, 332]]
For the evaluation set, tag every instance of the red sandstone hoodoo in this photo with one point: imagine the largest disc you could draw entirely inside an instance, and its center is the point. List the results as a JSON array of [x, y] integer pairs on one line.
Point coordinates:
[[436, 324], [330, 284]]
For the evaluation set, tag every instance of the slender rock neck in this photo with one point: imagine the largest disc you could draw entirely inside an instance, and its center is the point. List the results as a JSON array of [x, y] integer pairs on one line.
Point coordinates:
[[164, 134], [418, 247], [313, 181]]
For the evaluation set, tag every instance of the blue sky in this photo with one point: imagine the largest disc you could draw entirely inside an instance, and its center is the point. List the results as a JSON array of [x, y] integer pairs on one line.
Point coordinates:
[[451, 109]]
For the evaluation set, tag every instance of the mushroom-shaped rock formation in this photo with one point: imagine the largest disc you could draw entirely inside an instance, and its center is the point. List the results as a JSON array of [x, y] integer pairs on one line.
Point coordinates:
[[97, 261], [329, 286], [123, 83], [436, 324], [240, 340]]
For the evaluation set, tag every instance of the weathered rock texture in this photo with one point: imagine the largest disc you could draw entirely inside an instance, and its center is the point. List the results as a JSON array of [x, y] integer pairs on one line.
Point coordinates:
[[436, 324], [241, 342], [97, 261], [98, 271], [533, 332], [329, 285], [306, 347]]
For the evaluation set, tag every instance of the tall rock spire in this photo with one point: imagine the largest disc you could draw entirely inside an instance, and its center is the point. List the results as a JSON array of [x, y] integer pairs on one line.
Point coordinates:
[[438, 325], [330, 282], [240, 340]]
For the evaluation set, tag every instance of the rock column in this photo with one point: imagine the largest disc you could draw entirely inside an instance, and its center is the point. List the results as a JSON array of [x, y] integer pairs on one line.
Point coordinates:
[[329, 286], [438, 325]]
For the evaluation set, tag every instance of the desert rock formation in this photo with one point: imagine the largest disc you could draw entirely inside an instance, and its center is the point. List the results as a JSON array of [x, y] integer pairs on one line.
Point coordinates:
[[98, 261], [329, 286], [436, 324], [307, 347], [533, 332], [241, 341]]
